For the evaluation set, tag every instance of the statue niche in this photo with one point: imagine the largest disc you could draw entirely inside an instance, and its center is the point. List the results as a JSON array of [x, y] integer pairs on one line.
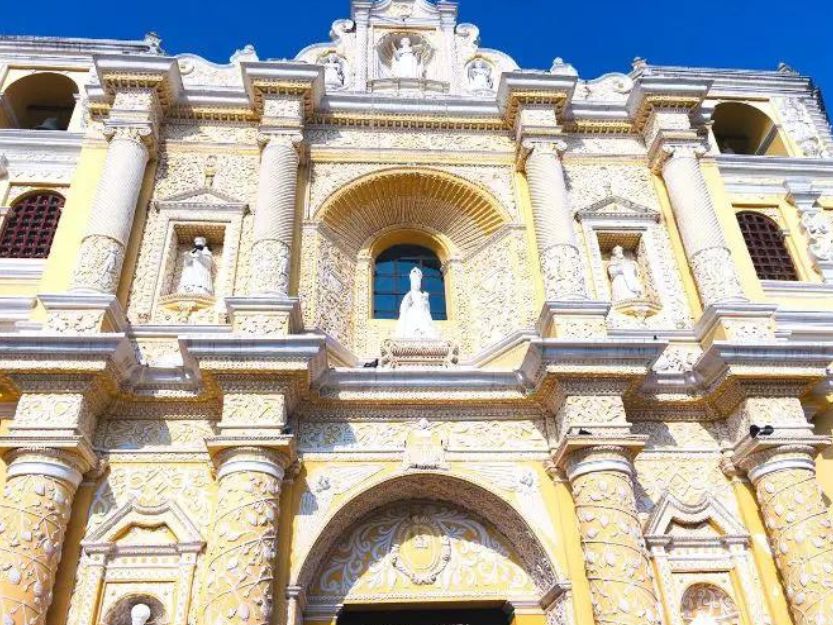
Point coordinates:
[[631, 291], [404, 62], [191, 273], [416, 341]]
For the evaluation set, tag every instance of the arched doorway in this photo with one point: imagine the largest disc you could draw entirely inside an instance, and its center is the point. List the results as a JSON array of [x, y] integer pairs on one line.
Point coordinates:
[[428, 545], [743, 129]]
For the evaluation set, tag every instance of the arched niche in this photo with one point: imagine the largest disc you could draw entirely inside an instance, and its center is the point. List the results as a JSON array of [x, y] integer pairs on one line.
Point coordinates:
[[44, 101], [445, 510], [484, 253], [741, 128]]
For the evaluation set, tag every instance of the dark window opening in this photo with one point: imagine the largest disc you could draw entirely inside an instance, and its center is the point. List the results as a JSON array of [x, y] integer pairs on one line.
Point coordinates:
[[30, 226], [765, 243]]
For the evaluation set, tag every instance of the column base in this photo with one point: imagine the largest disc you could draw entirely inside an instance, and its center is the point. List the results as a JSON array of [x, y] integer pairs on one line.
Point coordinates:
[[265, 315], [82, 313], [577, 319], [736, 322]]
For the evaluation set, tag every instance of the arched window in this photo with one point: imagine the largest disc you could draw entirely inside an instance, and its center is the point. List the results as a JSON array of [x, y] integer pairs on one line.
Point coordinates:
[[765, 243], [43, 101], [391, 280], [743, 129], [30, 226]]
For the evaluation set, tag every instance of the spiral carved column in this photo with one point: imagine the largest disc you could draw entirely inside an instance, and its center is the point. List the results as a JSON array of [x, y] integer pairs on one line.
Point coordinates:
[[709, 255], [616, 558], [799, 527], [274, 220], [103, 248], [34, 512], [244, 539], [561, 262]]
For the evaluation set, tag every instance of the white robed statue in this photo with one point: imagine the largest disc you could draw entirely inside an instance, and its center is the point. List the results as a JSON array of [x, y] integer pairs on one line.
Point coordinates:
[[406, 62], [624, 277], [415, 320], [198, 270]]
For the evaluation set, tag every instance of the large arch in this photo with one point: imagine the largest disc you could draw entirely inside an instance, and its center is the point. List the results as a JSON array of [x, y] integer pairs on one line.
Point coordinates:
[[43, 100], [462, 211], [741, 128], [441, 487]]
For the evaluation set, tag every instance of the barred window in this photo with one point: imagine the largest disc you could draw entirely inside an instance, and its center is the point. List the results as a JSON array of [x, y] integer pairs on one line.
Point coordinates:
[[765, 243], [391, 280], [30, 226]]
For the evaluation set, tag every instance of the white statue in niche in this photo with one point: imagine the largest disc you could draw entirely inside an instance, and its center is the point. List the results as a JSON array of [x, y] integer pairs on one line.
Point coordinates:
[[480, 76], [406, 62], [625, 283], [198, 270], [333, 71], [415, 321], [139, 614]]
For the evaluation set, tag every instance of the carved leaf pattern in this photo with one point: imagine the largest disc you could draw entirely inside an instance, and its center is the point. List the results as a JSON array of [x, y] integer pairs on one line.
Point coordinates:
[[34, 512], [799, 528], [615, 556], [240, 563]]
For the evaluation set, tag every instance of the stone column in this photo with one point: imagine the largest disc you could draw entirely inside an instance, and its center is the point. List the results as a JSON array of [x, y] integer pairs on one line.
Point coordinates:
[[34, 512], [561, 262], [616, 559], [240, 563], [711, 261], [111, 219], [798, 522], [274, 219]]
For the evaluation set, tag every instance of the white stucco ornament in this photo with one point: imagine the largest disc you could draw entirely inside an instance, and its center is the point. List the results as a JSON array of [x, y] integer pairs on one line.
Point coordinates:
[[415, 321]]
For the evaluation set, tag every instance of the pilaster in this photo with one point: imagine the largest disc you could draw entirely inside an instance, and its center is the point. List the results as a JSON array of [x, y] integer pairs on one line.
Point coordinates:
[[816, 226], [135, 92]]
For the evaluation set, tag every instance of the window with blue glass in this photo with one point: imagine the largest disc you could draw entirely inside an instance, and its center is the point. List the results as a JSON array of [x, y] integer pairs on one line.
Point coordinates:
[[391, 280]]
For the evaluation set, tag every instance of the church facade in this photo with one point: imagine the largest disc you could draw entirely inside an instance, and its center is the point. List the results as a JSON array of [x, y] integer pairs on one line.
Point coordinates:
[[399, 332]]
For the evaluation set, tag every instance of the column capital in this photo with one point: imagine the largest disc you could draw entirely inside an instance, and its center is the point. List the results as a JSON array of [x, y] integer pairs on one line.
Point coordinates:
[[61, 464], [272, 459], [142, 133], [550, 146], [579, 455], [667, 146], [759, 457], [267, 136]]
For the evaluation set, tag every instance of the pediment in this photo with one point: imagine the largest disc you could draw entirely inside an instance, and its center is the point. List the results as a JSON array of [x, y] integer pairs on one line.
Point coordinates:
[[403, 11], [136, 525], [615, 206], [670, 514], [204, 198]]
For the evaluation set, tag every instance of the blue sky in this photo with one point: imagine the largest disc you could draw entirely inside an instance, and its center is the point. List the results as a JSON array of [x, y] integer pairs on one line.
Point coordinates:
[[596, 37]]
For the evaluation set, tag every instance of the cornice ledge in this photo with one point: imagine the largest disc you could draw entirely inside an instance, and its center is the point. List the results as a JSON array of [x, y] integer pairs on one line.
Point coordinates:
[[771, 360], [262, 355], [119, 70], [45, 351], [468, 380], [539, 88], [289, 77], [671, 90], [618, 357]]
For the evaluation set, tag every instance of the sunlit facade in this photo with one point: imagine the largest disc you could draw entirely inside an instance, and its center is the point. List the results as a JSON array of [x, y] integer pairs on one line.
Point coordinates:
[[222, 400]]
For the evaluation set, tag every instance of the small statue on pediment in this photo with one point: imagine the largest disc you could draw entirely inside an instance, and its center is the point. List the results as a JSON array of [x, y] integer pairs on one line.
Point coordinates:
[[480, 76], [333, 71]]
